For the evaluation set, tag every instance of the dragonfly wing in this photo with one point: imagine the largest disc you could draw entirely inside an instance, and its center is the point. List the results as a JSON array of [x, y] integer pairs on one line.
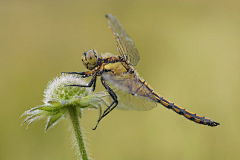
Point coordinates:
[[132, 102], [124, 42], [132, 94]]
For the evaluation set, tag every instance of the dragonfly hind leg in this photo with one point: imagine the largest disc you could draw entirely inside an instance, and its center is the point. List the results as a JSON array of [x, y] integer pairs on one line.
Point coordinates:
[[112, 105]]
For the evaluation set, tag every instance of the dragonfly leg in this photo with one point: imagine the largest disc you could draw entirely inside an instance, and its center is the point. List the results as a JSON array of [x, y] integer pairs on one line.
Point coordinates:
[[94, 84], [72, 73], [112, 105], [83, 74], [112, 94], [90, 84]]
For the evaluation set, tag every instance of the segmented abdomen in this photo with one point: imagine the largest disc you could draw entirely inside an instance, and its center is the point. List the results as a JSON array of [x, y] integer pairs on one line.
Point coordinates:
[[189, 115], [147, 91]]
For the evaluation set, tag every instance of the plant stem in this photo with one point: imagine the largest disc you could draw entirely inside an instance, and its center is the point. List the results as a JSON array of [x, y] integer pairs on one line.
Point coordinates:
[[77, 131]]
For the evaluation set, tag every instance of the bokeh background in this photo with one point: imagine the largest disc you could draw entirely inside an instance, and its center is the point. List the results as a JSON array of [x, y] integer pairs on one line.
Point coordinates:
[[190, 54]]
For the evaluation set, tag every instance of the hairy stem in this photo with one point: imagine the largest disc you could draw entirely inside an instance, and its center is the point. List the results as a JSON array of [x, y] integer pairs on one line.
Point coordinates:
[[77, 131]]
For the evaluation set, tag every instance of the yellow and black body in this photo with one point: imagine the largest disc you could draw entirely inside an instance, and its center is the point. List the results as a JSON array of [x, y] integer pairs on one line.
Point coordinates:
[[119, 72]]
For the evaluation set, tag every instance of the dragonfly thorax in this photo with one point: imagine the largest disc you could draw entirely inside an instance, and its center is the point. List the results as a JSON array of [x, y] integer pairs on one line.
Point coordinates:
[[90, 59]]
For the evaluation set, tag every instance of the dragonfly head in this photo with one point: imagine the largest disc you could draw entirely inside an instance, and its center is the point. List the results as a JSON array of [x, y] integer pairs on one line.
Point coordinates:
[[90, 59]]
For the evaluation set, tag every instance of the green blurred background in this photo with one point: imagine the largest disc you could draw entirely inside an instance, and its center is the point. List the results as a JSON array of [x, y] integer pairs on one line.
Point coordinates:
[[190, 54]]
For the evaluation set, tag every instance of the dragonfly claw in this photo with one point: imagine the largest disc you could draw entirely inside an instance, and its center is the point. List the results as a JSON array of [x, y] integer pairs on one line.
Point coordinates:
[[96, 126]]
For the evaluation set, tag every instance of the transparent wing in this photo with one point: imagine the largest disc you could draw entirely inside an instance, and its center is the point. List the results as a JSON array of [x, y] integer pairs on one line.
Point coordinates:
[[128, 101], [132, 93], [132, 84], [124, 42]]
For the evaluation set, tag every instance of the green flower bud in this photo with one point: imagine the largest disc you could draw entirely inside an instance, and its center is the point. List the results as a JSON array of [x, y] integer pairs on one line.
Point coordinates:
[[58, 97]]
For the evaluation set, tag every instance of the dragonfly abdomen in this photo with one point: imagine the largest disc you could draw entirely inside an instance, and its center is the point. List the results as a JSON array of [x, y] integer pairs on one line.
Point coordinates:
[[182, 111], [150, 93]]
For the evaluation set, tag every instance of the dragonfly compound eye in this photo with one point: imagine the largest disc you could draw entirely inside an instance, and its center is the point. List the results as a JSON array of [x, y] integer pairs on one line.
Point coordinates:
[[89, 59]]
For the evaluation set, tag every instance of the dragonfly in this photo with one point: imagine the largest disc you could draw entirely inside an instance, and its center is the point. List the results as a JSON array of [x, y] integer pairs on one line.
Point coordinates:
[[130, 92]]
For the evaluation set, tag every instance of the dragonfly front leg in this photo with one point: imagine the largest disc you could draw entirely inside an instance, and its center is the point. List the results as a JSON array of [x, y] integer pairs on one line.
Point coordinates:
[[112, 105], [90, 84], [83, 74]]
